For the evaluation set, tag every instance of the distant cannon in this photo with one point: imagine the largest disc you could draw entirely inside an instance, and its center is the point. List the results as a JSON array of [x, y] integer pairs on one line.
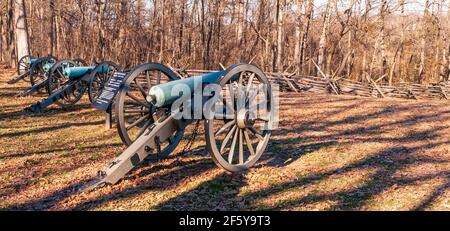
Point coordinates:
[[67, 82], [31, 69], [148, 117], [43, 83]]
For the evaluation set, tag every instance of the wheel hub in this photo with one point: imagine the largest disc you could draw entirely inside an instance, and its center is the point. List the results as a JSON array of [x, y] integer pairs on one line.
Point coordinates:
[[243, 119]]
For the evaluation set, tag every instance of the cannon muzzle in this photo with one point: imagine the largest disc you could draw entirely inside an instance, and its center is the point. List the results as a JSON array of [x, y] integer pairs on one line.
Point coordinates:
[[31, 61], [161, 95], [47, 66]]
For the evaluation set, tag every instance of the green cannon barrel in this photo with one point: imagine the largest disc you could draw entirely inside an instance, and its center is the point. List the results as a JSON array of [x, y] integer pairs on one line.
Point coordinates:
[[161, 95], [31, 61], [47, 66], [76, 72]]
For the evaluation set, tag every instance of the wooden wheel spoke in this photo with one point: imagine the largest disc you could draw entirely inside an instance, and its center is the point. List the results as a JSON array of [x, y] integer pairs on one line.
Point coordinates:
[[158, 78], [241, 78], [227, 106], [249, 143], [225, 127], [135, 123], [141, 89], [257, 133], [146, 125], [135, 111], [250, 82], [240, 92], [227, 138], [241, 148], [137, 100], [233, 146], [251, 96], [240, 96], [147, 77], [231, 89], [59, 72]]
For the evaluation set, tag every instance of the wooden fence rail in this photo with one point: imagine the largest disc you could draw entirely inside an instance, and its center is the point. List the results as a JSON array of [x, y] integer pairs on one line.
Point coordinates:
[[298, 83]]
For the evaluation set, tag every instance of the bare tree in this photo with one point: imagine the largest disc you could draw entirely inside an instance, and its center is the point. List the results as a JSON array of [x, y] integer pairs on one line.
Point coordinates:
[[280, 45], [324, 35], [423, 44], [274, 34], [20, 20]]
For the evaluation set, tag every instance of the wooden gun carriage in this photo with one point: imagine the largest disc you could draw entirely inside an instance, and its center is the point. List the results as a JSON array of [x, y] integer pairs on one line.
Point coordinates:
[[67, 82], [43, 83], [148, 116], [31, 69]]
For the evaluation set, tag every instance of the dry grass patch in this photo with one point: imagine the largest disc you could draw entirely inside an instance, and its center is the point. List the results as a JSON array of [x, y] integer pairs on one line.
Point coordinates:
[[329, 153]]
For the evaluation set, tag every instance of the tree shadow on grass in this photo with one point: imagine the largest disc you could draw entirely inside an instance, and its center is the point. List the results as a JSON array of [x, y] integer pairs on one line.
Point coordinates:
[[228, 197], [52, 128], [50, 200], [32, 173], [386, 163], [223, 191], [438, 192], [20, 112], [170, 176]]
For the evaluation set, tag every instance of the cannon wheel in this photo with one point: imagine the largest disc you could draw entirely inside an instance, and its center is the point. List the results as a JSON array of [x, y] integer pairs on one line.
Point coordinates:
[[98, 79], [37, 71], [237, 136], [23, 66], [56, 79], [134, 113]]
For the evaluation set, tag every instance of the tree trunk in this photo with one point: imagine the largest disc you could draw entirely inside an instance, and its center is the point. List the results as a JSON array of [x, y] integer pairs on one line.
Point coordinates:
[[305, 31], [100, 30], [123, 32], [383, 63], [2, 38], [280, 36], [402, 42], [298, 31], [240, 22], [10, 38], [323, 36], [425, 20], [445, 72], [162, 36], [20, 20], [53, 30]]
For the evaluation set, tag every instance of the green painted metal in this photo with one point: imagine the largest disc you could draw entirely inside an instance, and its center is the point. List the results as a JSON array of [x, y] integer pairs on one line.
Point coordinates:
[[77, 72], [47, 66], [31, 61], [161, 95]]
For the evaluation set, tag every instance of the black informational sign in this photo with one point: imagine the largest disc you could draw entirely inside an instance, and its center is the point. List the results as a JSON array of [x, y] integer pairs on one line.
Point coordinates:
[[110, 91]]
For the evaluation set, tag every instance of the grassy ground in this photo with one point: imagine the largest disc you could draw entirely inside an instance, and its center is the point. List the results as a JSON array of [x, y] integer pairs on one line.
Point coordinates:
[[330, 153]]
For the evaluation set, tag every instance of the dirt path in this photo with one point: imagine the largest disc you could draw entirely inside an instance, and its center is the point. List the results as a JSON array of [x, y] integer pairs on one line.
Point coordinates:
[[330, 153]]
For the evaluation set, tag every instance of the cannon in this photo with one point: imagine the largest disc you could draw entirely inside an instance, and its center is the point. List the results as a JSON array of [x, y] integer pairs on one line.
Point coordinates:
[[237, 124], [32, 69], [42, 84], [67, 82]]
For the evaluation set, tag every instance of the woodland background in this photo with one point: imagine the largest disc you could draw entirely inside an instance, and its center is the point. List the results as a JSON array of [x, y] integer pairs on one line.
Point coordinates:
[[395, 40]]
